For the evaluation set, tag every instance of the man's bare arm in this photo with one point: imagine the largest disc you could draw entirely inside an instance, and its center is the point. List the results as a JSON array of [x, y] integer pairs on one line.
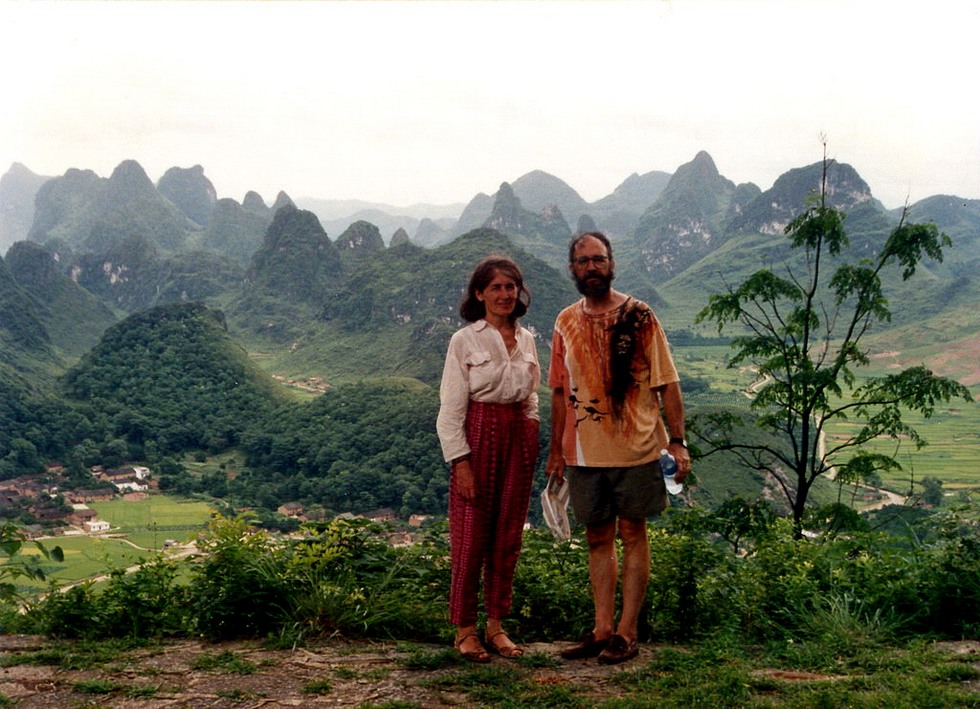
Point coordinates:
[[556, 461], [673, 407]]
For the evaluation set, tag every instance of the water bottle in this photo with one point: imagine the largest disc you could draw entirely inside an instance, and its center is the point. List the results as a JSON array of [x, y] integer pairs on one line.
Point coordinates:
[[668, 466]]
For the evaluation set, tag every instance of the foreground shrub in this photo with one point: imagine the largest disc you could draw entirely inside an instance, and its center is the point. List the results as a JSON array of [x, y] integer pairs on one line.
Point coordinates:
[[552, 597], [68, 614], [690, 584], [345, 577], [948, 580], [842, 592], [147, 603], [238, 585]]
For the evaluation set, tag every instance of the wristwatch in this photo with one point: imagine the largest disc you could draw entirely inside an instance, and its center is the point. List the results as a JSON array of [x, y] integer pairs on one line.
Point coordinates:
[[679, 440]]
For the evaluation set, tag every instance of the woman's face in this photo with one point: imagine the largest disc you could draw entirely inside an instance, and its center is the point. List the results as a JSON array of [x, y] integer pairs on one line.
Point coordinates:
[[499, 297]]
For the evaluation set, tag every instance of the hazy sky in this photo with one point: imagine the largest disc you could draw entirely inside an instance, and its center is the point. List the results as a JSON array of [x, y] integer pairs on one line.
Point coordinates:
[[405, 102]]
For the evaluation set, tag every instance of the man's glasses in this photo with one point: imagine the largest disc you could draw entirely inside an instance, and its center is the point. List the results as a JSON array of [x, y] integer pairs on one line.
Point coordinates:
[[584, 260]]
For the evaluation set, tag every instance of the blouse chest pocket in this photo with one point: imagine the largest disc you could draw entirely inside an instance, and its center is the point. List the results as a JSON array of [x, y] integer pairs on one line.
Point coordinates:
[[525, 371], [479, 366]]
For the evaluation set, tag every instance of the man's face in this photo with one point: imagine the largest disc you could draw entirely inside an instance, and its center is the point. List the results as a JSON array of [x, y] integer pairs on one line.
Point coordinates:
[[592, 268]]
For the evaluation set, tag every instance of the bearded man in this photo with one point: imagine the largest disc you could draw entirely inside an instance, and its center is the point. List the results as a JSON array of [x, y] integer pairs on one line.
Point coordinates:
[[611, 375]]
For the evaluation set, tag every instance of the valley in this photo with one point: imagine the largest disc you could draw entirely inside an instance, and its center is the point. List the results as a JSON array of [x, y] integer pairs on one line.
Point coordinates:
[[156, 322]]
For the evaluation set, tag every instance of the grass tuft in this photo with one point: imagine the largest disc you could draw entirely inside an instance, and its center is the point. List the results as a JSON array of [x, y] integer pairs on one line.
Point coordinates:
[[225, 662]]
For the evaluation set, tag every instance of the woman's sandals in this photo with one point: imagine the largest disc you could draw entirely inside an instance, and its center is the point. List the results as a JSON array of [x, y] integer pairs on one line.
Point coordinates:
[[510, 650], [480, 655]]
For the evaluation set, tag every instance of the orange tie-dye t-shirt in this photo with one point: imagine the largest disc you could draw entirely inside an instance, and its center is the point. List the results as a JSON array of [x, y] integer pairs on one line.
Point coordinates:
[[597, 431]]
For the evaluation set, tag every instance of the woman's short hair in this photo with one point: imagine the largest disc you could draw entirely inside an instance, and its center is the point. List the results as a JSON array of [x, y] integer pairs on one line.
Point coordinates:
[[473, 309]]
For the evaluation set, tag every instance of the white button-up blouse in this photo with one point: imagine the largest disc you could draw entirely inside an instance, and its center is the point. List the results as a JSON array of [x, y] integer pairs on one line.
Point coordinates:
[[479, 368]]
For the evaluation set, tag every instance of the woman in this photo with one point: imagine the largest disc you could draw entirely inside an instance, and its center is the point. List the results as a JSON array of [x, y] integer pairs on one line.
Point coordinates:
[[488, 428]]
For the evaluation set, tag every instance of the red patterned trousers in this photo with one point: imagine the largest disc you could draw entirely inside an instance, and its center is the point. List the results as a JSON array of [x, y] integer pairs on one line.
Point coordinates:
[[485, 534]]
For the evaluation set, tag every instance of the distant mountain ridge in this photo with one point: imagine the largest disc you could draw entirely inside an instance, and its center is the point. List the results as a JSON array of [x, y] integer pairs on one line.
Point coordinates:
[[134, 245], [544, 232], [87, 212], [615, 214], [190, 191], [194, 195], [18, 186], [687, 221]]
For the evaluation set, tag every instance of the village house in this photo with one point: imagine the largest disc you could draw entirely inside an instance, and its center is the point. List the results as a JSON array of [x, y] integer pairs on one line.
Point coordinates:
[[133, 478], [8, 498], [81, 496], [33, 531], [131, 485], [49, 514], [81, 514], [401, 539], [27, 486], [140, 472], [385, 514], [95, 526], [128, 471], [291, 509], [87, 519]]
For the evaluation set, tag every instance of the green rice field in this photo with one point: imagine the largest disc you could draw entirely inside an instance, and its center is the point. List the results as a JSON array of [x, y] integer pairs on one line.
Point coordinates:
[[952, 454], [139, 530], [159, 515], [952, 433], [86, 557]]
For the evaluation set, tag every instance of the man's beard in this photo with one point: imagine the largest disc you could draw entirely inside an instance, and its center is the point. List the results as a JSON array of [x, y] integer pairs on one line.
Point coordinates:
[[595, 285]]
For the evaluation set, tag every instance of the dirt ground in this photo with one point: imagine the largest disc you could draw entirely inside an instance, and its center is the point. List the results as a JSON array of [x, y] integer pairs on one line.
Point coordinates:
[[337, 673], [170, 675]]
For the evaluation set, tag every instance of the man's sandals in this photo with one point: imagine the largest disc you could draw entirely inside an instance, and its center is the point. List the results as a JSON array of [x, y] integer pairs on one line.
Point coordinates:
[[480, 655], [509, 650]]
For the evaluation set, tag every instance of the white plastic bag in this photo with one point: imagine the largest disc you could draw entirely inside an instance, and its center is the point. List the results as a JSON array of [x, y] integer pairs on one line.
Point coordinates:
[[554, 506]]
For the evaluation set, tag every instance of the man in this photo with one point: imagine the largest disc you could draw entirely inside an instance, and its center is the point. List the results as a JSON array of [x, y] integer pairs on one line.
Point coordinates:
[[611, 373]]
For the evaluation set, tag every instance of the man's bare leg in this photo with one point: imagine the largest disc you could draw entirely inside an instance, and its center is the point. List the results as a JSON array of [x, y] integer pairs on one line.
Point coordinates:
[[603, 572], [636, 573]]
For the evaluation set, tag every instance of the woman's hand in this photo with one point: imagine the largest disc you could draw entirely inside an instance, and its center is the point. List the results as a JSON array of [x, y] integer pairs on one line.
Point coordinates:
[[465, 480]]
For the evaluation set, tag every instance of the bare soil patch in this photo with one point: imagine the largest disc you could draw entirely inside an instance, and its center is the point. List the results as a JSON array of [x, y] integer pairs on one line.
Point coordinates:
[[334, 673]]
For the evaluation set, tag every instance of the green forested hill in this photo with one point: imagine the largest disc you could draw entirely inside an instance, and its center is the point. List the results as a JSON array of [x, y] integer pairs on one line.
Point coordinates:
[[20, 323], [26, 355], [73, 317], [172, 375], [357, 447], [288, 278]]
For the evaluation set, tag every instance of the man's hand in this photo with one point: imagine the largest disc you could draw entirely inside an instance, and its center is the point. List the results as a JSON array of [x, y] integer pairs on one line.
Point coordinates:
[[683, 459], [556, 461], [555, 465]]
